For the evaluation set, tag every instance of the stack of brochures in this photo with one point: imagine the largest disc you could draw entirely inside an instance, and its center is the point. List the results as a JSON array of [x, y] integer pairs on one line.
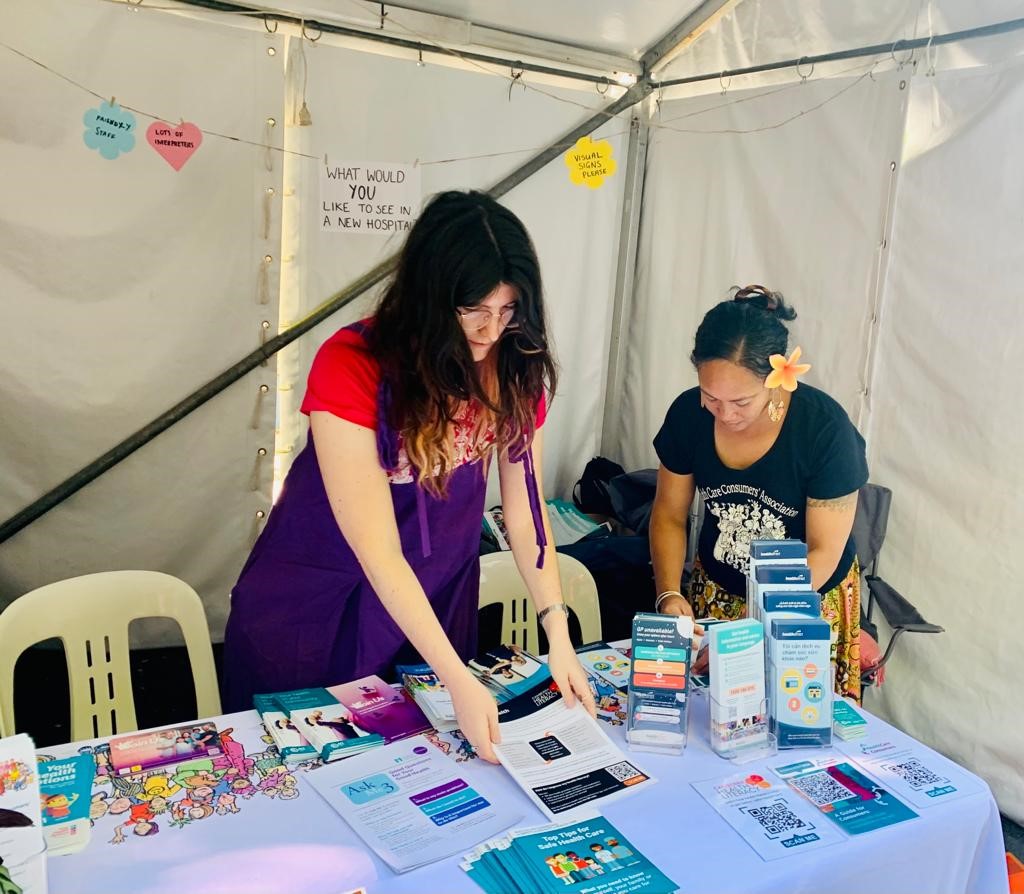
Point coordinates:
[[338, 721], [847, 722], [508, 671], [430, 695], [136, 752], [590, 856]]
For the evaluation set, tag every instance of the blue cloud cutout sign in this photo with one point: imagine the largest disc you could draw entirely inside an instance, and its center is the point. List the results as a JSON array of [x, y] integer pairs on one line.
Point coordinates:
[[110, 130]]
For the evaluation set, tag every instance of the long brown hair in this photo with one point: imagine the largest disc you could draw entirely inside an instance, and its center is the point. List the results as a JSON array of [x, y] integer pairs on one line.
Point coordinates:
[[461, 248]]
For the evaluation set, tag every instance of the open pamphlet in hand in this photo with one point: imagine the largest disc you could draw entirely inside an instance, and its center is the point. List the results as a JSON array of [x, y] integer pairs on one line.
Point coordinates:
[[561, 757]]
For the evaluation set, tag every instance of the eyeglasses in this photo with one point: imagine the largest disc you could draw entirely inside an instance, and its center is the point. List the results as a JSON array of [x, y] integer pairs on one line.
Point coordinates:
[[476, 318]]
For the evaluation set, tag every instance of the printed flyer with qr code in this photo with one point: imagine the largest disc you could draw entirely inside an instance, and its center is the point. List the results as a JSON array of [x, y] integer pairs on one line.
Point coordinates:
[[855, 802], [913, 772], [772, 819], [561, 758]]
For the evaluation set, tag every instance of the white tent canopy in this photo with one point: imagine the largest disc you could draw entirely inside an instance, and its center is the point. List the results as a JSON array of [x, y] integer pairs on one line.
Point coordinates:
[[879, 192]]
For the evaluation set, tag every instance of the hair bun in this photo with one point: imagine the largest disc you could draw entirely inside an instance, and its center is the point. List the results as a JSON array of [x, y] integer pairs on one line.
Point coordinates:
[[769, 301]]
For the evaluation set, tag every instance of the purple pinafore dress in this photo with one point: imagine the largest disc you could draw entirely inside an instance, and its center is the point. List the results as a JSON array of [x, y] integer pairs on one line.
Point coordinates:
[[303, 613]]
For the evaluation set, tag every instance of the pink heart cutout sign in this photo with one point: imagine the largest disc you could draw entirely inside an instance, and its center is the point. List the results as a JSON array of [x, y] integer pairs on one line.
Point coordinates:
[[174, 142]]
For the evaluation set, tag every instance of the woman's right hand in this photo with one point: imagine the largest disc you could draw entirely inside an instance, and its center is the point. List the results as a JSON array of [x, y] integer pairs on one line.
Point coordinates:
[[675, 605], [476, 712]]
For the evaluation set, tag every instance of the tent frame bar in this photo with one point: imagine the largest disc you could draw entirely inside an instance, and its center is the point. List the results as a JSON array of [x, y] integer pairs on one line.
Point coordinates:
[[262, 354], [179, 411], [899, 46], [314, 25]]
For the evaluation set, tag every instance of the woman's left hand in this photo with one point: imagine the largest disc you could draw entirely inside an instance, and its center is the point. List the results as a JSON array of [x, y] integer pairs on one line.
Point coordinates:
[[568, 673]]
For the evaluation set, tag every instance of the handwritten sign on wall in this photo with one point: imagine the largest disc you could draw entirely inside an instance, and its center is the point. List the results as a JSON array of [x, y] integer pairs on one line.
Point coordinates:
[[590, 162], [109, 129], [369, 199]]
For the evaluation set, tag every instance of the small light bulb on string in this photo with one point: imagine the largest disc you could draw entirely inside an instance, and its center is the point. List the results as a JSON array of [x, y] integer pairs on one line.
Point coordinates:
[[419, 60]]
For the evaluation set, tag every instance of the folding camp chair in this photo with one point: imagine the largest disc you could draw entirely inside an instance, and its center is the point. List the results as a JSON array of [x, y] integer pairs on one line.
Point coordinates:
[[869, 529]]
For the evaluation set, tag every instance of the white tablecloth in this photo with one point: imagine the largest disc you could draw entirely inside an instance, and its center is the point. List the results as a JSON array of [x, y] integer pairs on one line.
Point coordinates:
[[277, 834]]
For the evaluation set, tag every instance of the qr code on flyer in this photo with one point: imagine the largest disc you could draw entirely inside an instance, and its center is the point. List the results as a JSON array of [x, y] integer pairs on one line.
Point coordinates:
[[626, 773], [916, 774], [821, 789], [776, 818]]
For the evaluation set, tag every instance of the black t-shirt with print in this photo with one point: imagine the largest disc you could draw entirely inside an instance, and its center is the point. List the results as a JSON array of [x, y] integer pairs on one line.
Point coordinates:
[[818, 455]]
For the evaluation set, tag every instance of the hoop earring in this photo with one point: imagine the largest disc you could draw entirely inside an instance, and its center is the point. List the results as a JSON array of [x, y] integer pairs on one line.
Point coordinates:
[[775, 410]]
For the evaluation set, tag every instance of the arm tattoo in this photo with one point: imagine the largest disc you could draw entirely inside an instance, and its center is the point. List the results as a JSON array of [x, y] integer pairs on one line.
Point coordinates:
[[838, 504]]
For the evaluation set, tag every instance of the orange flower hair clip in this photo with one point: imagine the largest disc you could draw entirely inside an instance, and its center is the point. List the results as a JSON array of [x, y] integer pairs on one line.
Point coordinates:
[[784, 372]]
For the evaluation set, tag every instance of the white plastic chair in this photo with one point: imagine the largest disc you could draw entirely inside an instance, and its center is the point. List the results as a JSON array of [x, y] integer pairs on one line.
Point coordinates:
[[501, 584], [91, 614]]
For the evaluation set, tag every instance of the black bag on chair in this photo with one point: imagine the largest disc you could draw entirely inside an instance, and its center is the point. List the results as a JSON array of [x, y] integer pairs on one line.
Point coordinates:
[[590, 493]]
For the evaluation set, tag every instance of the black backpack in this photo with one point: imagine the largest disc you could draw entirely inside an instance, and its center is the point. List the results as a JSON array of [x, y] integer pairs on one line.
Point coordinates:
[[590, 493]]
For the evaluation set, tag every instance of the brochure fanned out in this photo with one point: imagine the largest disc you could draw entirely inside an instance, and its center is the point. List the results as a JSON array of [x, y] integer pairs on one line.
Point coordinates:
[[411, 804], [590, 855], [562, 758]]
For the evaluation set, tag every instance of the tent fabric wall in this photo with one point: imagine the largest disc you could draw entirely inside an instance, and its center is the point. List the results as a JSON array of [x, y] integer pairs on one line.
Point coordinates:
[[405, 113], [946, 431], [800, 208], [128, 285], [164, 283]]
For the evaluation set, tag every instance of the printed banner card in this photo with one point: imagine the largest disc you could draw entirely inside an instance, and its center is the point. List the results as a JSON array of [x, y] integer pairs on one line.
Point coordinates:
[[772, 819], [369, 199]]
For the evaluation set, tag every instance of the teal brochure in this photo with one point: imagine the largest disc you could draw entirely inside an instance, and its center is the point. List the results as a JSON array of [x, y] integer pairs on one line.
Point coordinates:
[[854, 802]]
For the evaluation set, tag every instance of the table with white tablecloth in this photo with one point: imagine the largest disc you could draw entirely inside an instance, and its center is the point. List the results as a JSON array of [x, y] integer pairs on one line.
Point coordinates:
[[249, 825]]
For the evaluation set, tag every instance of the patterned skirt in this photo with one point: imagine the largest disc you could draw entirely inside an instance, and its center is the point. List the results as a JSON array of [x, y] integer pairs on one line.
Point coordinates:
[[840, 606]]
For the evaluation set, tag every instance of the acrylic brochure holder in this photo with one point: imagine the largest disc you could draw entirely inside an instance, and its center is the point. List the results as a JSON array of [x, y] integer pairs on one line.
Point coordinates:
[[739, 739]]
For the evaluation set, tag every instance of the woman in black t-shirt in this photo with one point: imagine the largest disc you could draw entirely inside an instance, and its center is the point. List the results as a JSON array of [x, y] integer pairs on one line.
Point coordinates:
[[771, 461]]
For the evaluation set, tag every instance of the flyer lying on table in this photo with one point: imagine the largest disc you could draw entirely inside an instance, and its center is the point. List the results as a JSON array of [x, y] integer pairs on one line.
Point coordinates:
[[853, 801], [411, 804], [562, 758], [772, 819], [912, 771]]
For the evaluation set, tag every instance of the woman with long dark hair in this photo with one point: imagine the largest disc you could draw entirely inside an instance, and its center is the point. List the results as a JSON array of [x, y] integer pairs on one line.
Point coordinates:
[[370, 557], [771, 461]]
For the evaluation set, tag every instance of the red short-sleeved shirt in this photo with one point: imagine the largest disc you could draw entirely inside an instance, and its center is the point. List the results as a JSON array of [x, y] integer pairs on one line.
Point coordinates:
[[343, 381]]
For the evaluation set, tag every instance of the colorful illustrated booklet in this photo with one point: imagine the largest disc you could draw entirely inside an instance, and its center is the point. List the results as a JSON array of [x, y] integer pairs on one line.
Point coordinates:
[[591, 856], [137, 752], [380, 708], [65, 792]]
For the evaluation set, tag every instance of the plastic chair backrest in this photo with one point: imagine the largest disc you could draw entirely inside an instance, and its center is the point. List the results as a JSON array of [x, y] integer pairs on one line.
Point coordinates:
[[501, 584], [91, 614]]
